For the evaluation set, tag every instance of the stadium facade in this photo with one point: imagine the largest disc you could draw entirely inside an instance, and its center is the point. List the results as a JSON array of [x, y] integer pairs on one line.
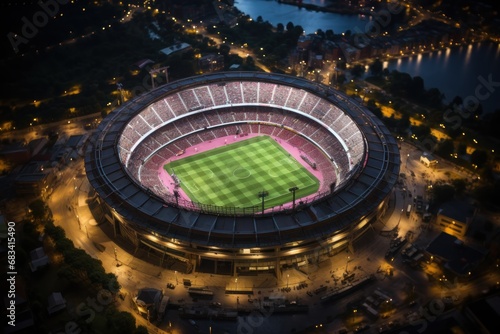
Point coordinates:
[[358, 156]]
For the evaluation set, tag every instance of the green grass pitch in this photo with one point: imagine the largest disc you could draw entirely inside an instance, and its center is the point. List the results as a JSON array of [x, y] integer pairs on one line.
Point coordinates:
[[234, 174]]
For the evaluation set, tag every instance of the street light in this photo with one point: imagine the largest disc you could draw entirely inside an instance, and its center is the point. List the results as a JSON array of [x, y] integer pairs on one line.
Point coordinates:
[[236, 281], [116, 255], [176, 280], [176, 195], [293, 190], [262, 194], [346, 263]]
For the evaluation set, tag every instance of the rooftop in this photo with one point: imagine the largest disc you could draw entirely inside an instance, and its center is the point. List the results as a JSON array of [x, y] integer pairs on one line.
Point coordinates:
[[457, 210], [459, 257], [175, 48]]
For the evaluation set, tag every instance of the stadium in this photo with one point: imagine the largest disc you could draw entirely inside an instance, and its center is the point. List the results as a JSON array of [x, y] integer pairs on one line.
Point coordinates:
[[240, 172]]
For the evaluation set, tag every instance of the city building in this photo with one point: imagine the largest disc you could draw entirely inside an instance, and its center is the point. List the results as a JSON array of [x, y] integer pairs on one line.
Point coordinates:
[[428, 159], [148, 301], [176, 48], [55, 303], [454, 217], [38, 259], [34, 180], [211, 62], [455, 257]]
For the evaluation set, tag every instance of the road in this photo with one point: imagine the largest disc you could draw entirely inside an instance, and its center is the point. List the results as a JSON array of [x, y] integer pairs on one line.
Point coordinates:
[[240, 50]]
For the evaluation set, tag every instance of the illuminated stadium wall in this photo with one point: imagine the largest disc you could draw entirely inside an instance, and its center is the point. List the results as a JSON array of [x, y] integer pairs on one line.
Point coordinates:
[[357, 155]]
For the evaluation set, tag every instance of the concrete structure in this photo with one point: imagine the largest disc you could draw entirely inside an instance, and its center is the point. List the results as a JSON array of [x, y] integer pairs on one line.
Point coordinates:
[[211, 62], [428, 159], [55, 303], [148, 301], [454, 217], [131, 144], [176, 48], [38, 259], [34, 179], [454, 256]]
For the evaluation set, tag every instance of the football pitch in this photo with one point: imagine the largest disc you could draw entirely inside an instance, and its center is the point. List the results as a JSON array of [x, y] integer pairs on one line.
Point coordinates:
[[234, 174]]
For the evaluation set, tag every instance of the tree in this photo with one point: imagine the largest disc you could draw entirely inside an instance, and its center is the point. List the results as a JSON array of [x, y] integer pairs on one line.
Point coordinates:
[[457, 101], [490, 124], [422, 131], [434, 98], [446, 148], [417, 89], [141, 330], [487, 193], [329, 34], [376, 67], [280, 28], [372, 106], [462, 149], [121, 322], [442, 193], [460, 185], [358, 70], [38, 210], [55, 232], [404, 123], [479, 158], [289, 26], [320, 33], [298, 30], [341, 79], [400, 83], [224, 49], [249, 61]]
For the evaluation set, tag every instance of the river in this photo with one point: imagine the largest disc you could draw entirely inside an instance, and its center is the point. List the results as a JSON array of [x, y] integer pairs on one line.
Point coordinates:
[[310, 21], [456, 71]]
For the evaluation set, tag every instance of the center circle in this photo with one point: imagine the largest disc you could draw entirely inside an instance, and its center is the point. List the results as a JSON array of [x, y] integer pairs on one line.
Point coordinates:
[[241, 173], [272, 172], [207, 173]]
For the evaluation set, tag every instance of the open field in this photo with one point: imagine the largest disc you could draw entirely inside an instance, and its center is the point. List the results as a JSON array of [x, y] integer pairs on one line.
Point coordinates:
[[234, 174]]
